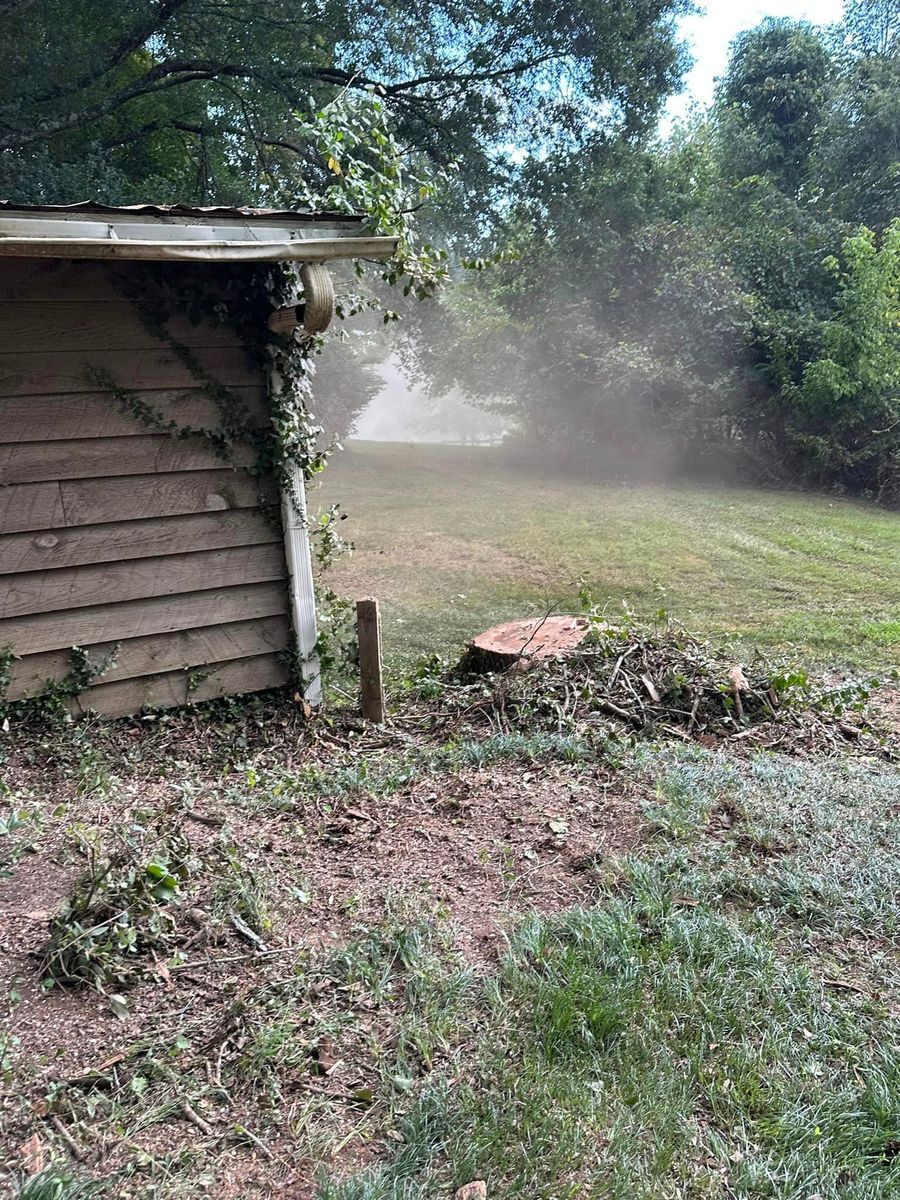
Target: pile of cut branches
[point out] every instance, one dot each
(667, 682)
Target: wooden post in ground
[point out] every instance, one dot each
(368, 631)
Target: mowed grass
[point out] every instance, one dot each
(454, 540)
(721, 1023)
(719, 1020)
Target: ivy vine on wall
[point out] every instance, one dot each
(239, 297)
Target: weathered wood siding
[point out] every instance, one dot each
(111, 534)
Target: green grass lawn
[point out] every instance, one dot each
(455, 540)
(719, 1019)
(722, 1023)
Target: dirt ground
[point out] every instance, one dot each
(469, 850)
(474, 850)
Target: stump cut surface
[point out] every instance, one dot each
(538, 638)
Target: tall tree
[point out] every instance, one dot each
(872, 27)
(772, 99)
(857, 162)
(196, 99)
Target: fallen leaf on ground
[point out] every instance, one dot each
(118, 1005)
(163, 972)
(32, 1154)
(325, 1056)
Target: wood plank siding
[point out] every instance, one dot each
(117, 538)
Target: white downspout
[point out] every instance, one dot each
(315, 314)
(298, 556)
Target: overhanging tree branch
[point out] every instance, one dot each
(180, 73)
(130, 42)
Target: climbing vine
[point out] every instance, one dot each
(53, 700)
(240, 298)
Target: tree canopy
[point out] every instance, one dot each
(722, 299)
(205, 100)
(721, 295)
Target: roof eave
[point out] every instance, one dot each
(301, 250)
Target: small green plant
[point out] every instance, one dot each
(55, 1184)
(336, 646)
(8, 1044)
(853, 696)
(15, 827)
(117, 913)
(242, 895)
(428, 676)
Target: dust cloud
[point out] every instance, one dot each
(402, 412)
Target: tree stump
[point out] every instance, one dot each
(520, 643)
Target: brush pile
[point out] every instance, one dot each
(629, 680)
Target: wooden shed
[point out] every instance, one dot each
(143, 549)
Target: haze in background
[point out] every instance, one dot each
(400, 413)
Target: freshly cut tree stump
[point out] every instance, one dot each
(520, 643)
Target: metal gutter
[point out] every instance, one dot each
(299, 249)
(301, 586)
(177, 214)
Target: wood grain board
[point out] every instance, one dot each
(59, 282)
(84, 544)
(138, 618)
(36, 326)
(98, 415)
(31, 506)
(34, 592)
(44, 506)
(98, 458)
(153, 369)
(155, 653)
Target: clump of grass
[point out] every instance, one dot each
(55, 1184)
(813, 843)
(300, 1026)
(280, 790)
(242, 894)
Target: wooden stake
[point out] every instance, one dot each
(368, 631)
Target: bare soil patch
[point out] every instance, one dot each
(241, 1063)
